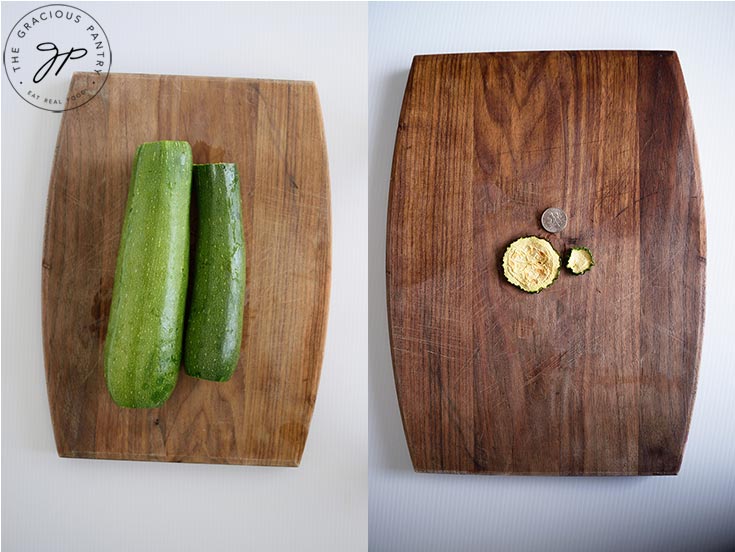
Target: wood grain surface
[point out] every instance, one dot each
(273, 131)
(597, 374)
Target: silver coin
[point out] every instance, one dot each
(553, 220)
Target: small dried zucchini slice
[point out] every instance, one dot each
(580, 260)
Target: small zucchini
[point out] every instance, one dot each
(531, 264)
(214, 323)
(142, 353)
(580, 260)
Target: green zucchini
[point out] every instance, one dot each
(580, 260)
(214, 322)
(531, 264)
(145, 328)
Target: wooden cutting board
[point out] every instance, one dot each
(597, 374)
(273, 131)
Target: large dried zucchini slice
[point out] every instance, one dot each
(531, 263)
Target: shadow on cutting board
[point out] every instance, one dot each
(383, 402)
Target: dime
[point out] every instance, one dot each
(553, 220)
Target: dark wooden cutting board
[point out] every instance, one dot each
(273, 131)
(597, 374)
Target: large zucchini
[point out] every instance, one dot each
(214, 322)
(145, 328)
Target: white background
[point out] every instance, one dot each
(53, 504)
(696, 509)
